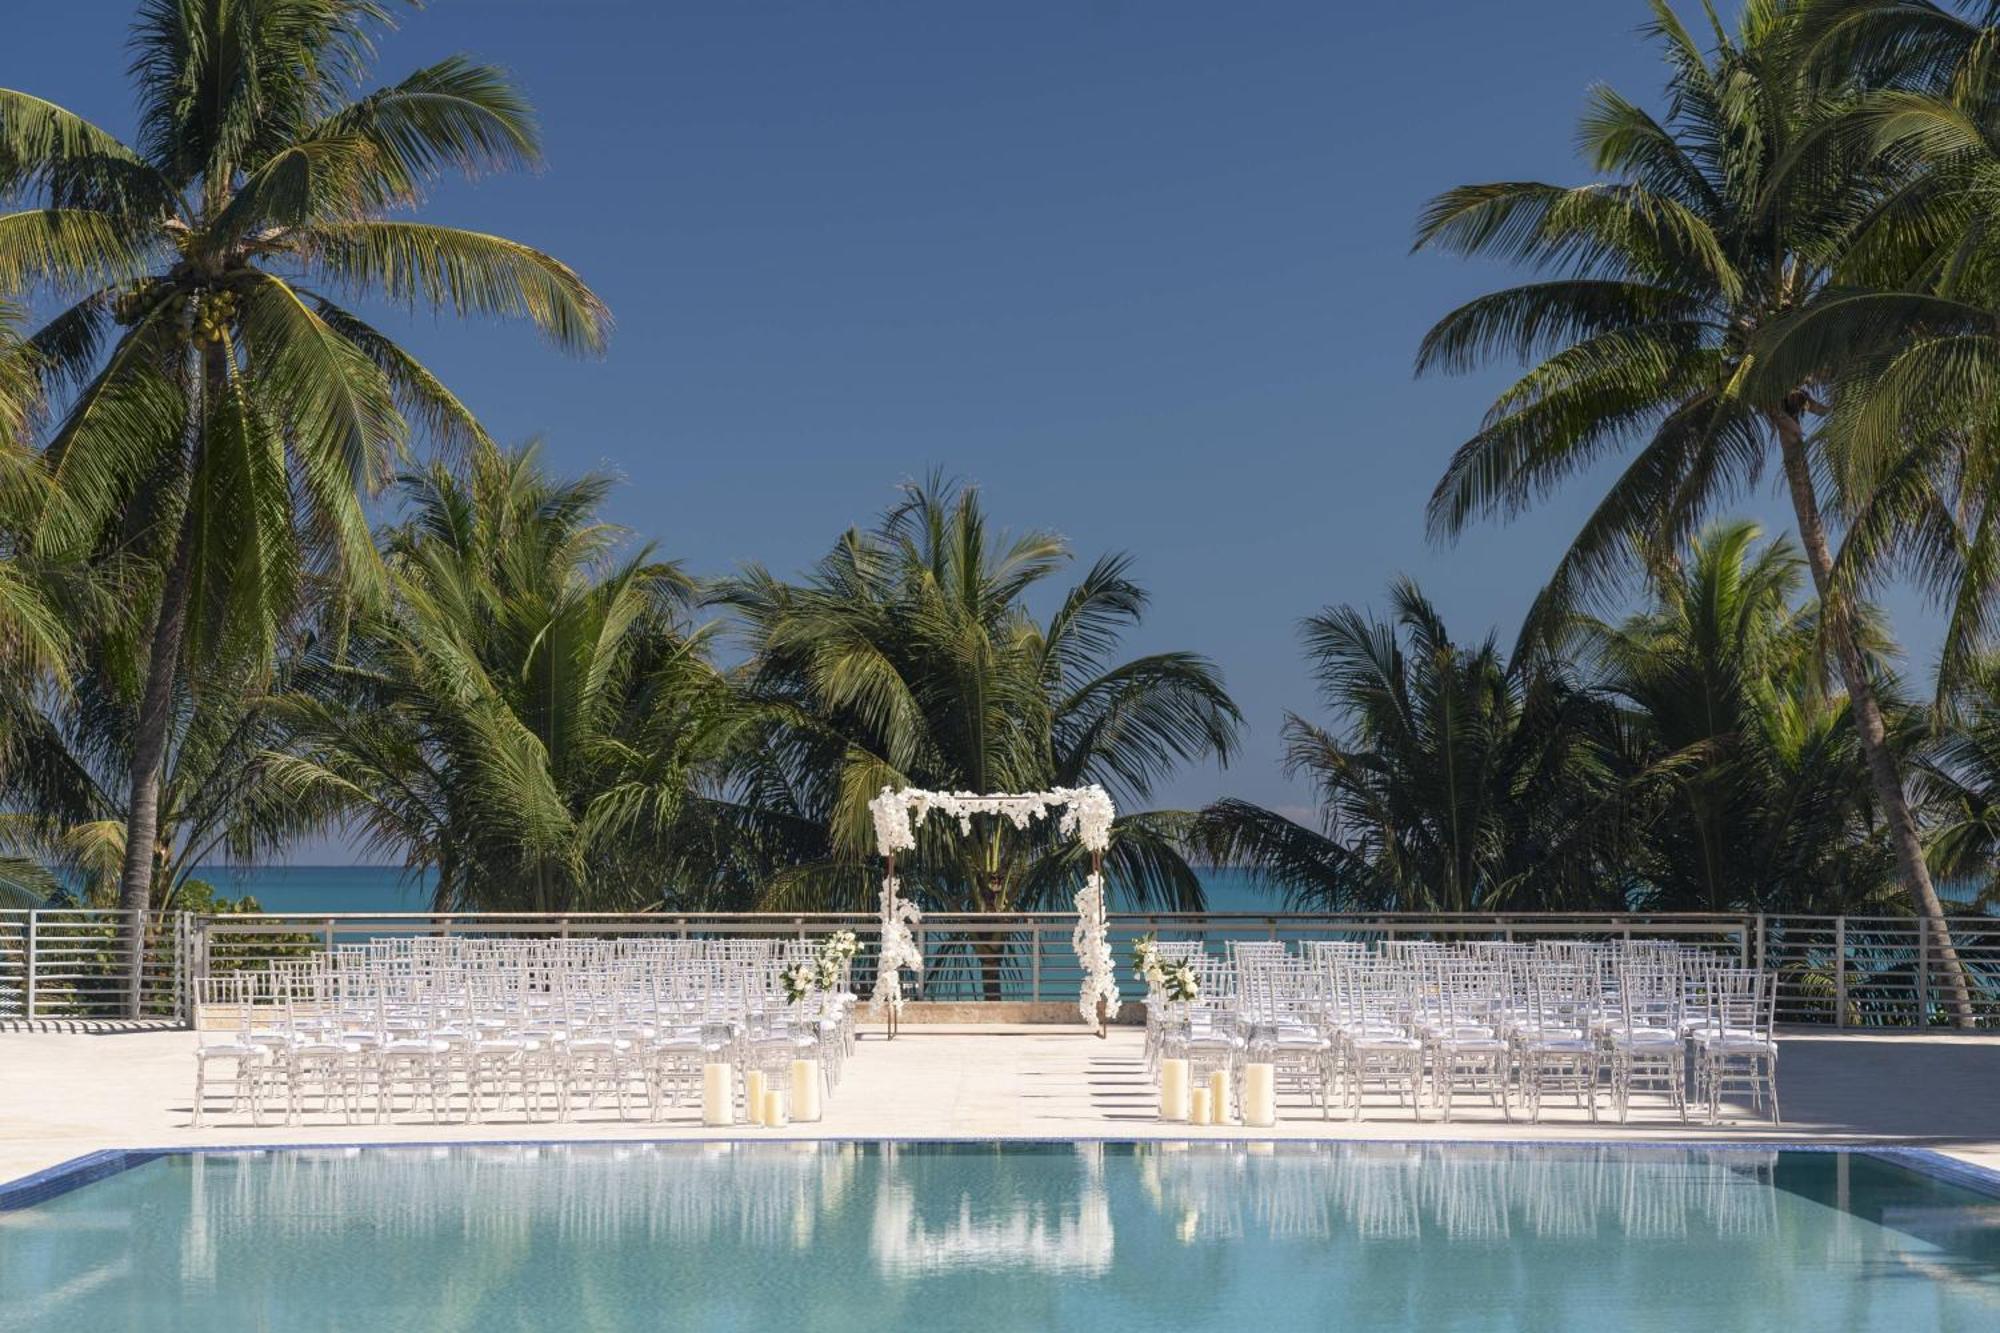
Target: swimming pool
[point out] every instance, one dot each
(811, 1236)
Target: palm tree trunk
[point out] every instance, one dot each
(992, 948)
(1915, 873)
(149, 749)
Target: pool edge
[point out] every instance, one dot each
(51, 1182)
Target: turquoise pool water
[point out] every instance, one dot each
(806, 1237)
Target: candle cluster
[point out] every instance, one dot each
(1207, 1101)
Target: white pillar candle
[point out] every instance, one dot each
(805, 1090)
(718, 1094)
(1173, 1089)
(1218, 1096)
(1198, 1112)
(1260, 1095)
(753, 1095)
(774, 1107)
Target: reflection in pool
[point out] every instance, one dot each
(986, 1236)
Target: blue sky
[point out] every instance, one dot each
(1140, 270)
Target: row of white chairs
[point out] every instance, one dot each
(1428, 1024)
(457, 1028)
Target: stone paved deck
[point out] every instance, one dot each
(64, 1094)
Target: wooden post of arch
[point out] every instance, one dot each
(892, 1006)
(1104, 930)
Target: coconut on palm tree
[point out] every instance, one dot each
(910, 657)
(219, 409)
(1711, 225)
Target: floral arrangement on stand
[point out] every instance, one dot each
(1146, 962)
(1178, 982)
(837, 950)
(800, 981)
(824, 973)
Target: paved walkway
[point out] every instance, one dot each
(64, 1094)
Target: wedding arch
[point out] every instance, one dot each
(1086, 815)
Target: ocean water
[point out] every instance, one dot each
(1104, 1237)
(392, 889)
(323, 888)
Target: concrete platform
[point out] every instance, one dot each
(63, 1094)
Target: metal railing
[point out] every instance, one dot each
(75, 963)
(1873, 972)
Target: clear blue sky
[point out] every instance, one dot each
(1139, 269)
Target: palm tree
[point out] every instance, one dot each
(217, 414)
(1713, 225)
(1961, 775)
(1460, 781)
(1907, 341)
(910, 658)
(1746, 775)
(530, 717)
(35, 648)
(64, 801)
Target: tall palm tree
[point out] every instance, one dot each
(1961, 775)
(910, 657)
(35, 647)
(1907, 339)
(530, 716)
(1712, 225)
(63, 802)
(217, 413)
(1745, 773)
(32, 639)
(1459, 781)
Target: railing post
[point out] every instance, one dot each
(180, 964)
(28, 962)
(1840, 972)
(1923, 972)
(1760, 942)
(1035, 961)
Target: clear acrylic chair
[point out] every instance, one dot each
(1738, 1051)
(1555, 1049)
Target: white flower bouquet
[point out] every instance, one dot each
(1177, 982)
(1146, 961)
(800, 981)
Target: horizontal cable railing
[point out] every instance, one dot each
(1870, 972)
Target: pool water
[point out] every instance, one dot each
(809, 1236)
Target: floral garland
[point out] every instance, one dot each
(899, 947)
(1093, 949)
(1087, 813)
